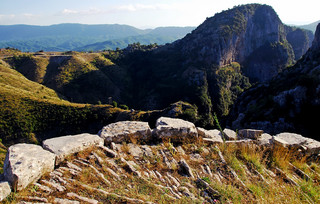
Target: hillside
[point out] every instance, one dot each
(179, 164)
(283, 104)
(64, 37)
(209, 68)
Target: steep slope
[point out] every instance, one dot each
(209, 67)
(288, 102)
(252, 35)
(82, 78)
(31, 112)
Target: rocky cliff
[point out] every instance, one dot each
(252, 35)
(209, 68)
(289, 101)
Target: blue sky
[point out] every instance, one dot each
(142, 13)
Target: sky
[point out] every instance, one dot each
(143, 13)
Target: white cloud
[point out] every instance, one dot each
(116, 9)
(69, 11)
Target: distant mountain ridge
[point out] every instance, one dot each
(311, 26)
(64, 37)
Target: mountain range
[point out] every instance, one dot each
(211, 69)
(81, 37)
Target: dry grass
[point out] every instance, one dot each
(245, 160)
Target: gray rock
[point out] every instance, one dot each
(5, 190)
(126, 131)
(250, 133)
(265, 140)
(135, 150)
(210, 136)
(67, 145)
(177, 130)
(26, 163)
(230, 134)
(84, 199)
(293, 140)
(185, 168)
(65, 201)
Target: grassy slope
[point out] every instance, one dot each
(254, 167)
(30, 111)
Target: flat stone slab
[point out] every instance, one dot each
(67, 145)
(5, 190)
(126, 131)
(26, 163)
(297, 141)
(265, 139)
(250, 133)
(177, 130)
(210, 134)
(229, 134)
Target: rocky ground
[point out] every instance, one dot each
(264, 169)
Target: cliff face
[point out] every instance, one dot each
(288, 102)
(252, 35)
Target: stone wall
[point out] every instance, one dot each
(26, 163)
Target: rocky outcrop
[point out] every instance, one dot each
(126, 131)
(175, 129)
(252, 35)
(284, 105)
(26, 163)
(67, 145)
(297, 141)
(176, 171)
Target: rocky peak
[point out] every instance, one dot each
(316, 41)
(251, 35)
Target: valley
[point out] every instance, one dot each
(242, 69)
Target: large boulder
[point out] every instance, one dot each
(229, 134)
(210, 136)
(67, 145)
(25, 164)
(176, 130)
(293, 140)
(126, 131)
(5, 190)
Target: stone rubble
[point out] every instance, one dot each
(126, 160)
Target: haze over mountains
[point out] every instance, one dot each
(208, 69)
(81, 37)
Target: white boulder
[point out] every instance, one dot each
(297, 141)
(126, 131)
(175, 129)
(5, 190)
(67, 145)
(229, 134)
(25, 164)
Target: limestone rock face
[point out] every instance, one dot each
(265, 139)
(175, 129)
(229, 134)
(66, 145)
(298, 141)
(126, 131)
(25, 163)
(5, 190)
(210, 136)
